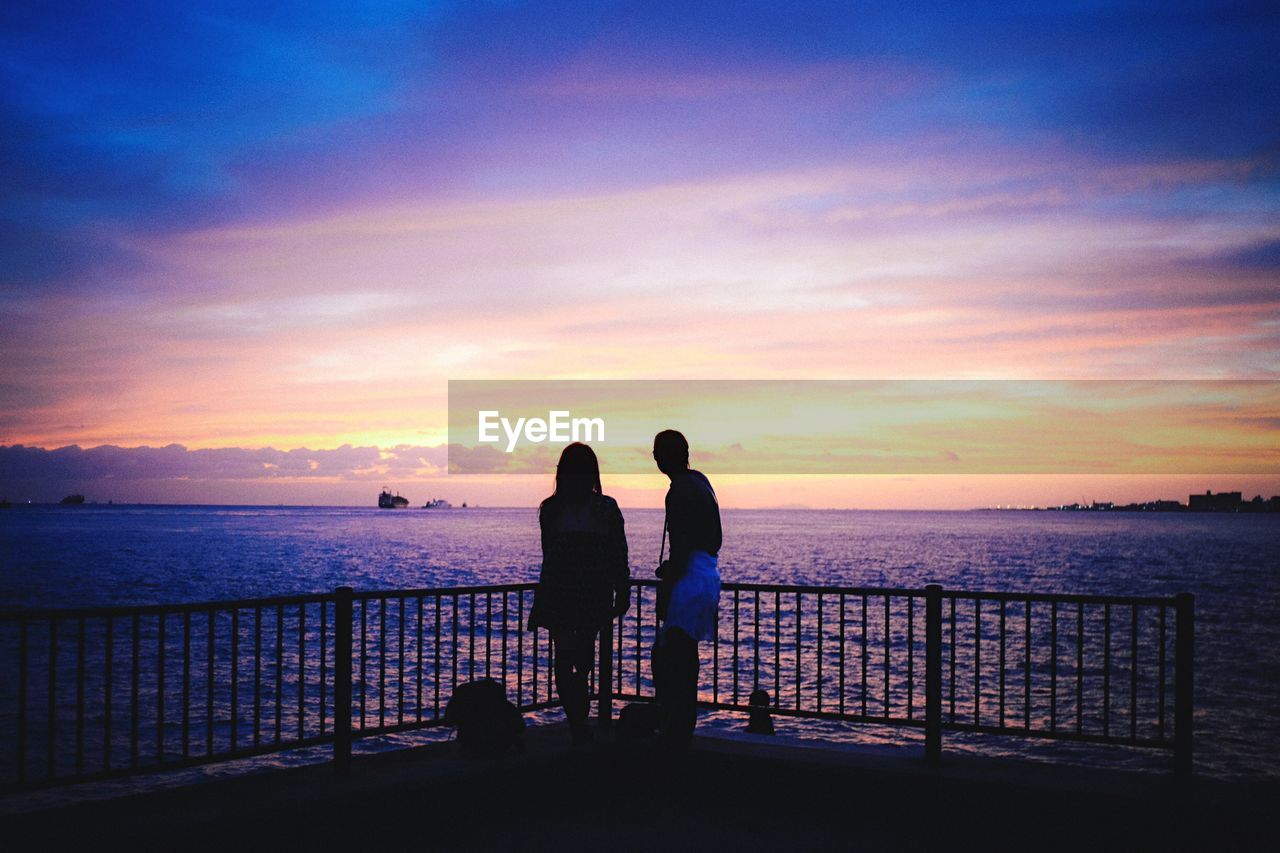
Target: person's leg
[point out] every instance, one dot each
(573, 694)
(574, 650)
(679, 656)
(658, 662)
(583, 662)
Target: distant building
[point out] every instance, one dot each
(1261, 504)
(1221, 502)
(1208, 502)
(1152, 506)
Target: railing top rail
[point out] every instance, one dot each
(21, 614)
(38, 613)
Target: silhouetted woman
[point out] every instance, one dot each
(584, 580)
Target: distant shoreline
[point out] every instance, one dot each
(1232, 503)
(418, 511)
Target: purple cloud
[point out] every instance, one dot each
(109, 462)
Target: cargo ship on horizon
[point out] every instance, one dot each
(386, 500)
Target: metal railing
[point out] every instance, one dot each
(1089, 668)
(96, 693)
(93, 693)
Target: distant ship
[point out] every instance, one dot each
(437, 503)
(73, 500)
(386, 500)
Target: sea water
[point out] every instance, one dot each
(125, 555)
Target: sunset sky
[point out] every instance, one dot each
(271, 233)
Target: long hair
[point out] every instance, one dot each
(577, 476)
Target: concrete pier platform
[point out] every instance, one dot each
(729, 793)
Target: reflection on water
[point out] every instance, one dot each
(121, 555)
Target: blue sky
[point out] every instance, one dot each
(211, 210)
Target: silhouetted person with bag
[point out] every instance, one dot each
(689, 589)
(585, 580)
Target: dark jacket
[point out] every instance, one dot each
(693, 518)
(584, 564)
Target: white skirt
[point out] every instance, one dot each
(695, 599)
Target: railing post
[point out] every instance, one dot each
(342, 616)
(932, 673)
(1183, 673)
(604, 678)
